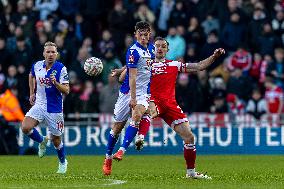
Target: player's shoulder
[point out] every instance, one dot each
(58, 65)
(38, 64)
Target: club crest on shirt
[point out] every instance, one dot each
(131, 58)
(53, 73)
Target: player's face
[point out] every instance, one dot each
(161, 49)
(50, 54)
(143, 36)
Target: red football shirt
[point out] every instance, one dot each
(273, 98)
(163, 79)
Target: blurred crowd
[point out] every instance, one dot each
(248, 79)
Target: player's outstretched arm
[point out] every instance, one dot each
(118, 72)
(32, 89)
(202, 65)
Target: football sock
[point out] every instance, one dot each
(112, 139)
(34, 134)
(189, 152)
(61, 152)
(144, 125)
(130, 133)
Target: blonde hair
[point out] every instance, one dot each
(49, 43)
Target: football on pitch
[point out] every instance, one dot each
(93, 66)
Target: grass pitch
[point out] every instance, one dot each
(140, 171)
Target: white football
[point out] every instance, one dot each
(93, 66)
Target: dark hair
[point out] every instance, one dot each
(161, 39)
(142, 26)
(20, 38)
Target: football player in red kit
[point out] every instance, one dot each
(163, 103)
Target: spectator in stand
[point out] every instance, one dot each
(11, 78)
(118, 25)
(89, 99)
(110, 62)
(278, 26)
(210, 24)
(46, 7)
(144, 14)
(258, 69)
(176, 45)
(163, 15)
(267, 40)
(212, 43)
(23, 54)
(240, 59)
(195, 33)
(5, 56)
(239, 84)
(233, 33)
(178, 15)
(235, 105)
(108, 95)
(273, 96)
(219, 102)
(78, 64)
(256, 105)
(72, 101)
(255, 27)
(106, 43)
(276, 68)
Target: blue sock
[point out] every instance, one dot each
(130, 133)
(61, 153)
(111, 143)
(34, 134)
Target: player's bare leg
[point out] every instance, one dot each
(58, 145)
(145, 125)
(186, 134)
(112, 139)
(131, 131)
(28, 128)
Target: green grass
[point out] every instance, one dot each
(19, 172)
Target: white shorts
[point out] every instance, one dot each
(122, 109)
(54, 121)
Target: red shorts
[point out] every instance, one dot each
(169, 111)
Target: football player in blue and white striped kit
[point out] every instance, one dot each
(134, 92)
(48, 81)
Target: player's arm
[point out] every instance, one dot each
(63, 84)
(122, 76)
(32, 84)
(118, 72)
(202, 65)
(32, 89)
(132, 58)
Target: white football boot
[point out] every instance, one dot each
(198, 176)
(42, 147)
(62, 167)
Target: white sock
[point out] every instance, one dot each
(191, 172)
(108, 156)
(123, 149)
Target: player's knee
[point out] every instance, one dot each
(189, 138)
(56, 140)
(25, 128)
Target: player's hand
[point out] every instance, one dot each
(53, 79)
(133, 103)
(32, 99)
(115, 72)
(218, 52)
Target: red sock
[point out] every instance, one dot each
(144, 125)
(189, 152)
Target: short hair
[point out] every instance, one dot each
(142, 26)
(49, 43)
(161, 39)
